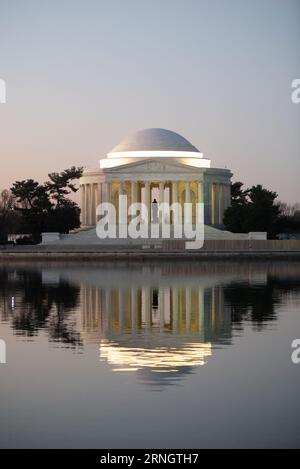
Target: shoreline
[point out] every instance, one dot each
(153, 250)
(141, 255)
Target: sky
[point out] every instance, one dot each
(82, 74)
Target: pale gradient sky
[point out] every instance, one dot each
(83, 74)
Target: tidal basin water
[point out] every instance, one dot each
(170, 355)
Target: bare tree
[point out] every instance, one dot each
(7, 201)
(289, 210)
(9, 218)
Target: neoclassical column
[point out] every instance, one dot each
(200, 192)
(124, 205)
(87, 204)
(101, 193)
(216, 206)
(175, 217)
(139, 192)
(216, 197)
(161, 199)
(207, 202)
(134, 190)
(98, 199)
(82, 187)
(188, 199)
(148, 200)
(106, 191)
(213, 204)
(121, 192)
(133, 196)
(93, 205)
(121, 188)
(161, 192)
(106, 194)
(220, 204)
(187, 192)
(200, 198)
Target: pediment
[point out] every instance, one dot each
(154, 166)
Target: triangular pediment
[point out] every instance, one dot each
(154, 165)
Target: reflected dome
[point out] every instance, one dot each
(159, 359)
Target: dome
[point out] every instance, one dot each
(154, 140)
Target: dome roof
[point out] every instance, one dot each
(154, 140)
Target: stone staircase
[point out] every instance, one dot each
(88, 236)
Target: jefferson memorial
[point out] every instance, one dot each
(156, 165)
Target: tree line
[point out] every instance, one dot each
(256, 209)
(33, 208)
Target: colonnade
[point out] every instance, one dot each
(215, 196)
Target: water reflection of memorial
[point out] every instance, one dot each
(158, 320)
(155, 330)
(163, 321)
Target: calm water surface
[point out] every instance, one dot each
(150, 355)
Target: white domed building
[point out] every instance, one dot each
(156, 164)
